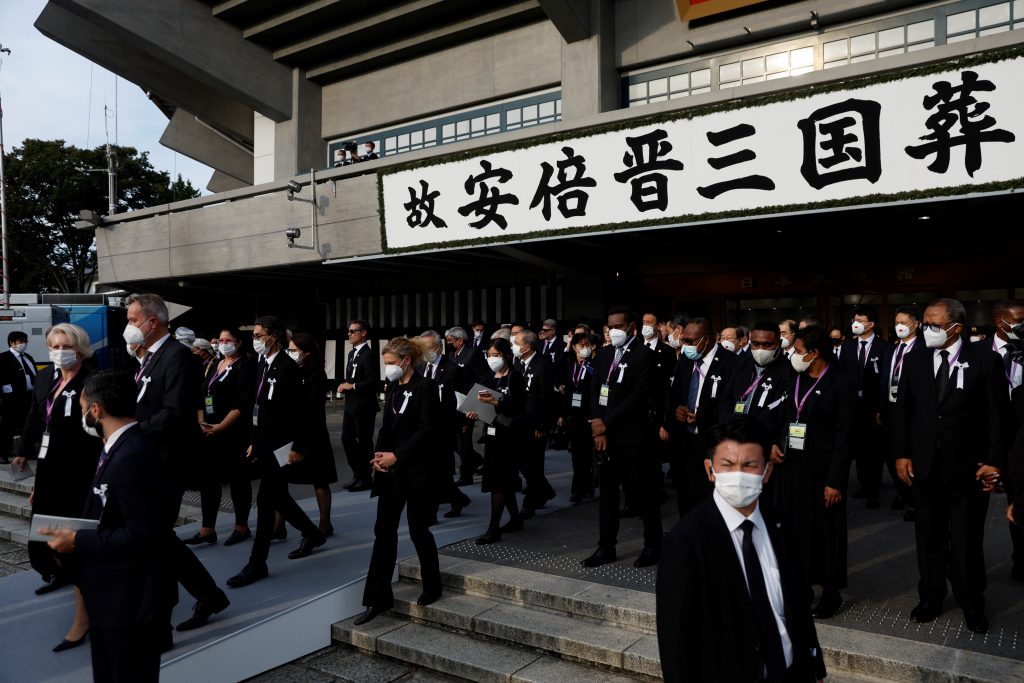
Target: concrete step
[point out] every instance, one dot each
(586, 621)
(14, 529)
(15, 504)
(458, 654)
(23, 486)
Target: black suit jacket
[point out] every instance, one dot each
(365, 375)
(884, 405)
(407, 430)
(447, 377)
(767, 397)
(121, 569)
(708, 410)
(473, 364)
(707, 630)
(867, 377)
(555, 350)
(947, 437)
(627, 417)
(663, 366)
(279, 399)
(166, 410)
(542, 402)
(14, 403)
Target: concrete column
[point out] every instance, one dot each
(590, 82)
(298, 145)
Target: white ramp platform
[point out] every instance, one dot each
(269, 623)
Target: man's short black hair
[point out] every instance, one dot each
(16, 336)
(113, 390)
(811, 319)
(363, 325)
(705, 323)
(624, 310)
(765, 326)
(912, 311)
(815, 338)
(867, 312)
(274, 327)
(741, 429)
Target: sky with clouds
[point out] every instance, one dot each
(50, 92)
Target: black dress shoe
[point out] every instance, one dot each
(464, 481)
(428, 598)
(203, 610)
(488, 537)
(625, 513)
(306, 546)
(898, 503)
(53, 584)
(70, 644)
(599, 557)
(512, 526)
(201, 538)
(828, 606)
(350, 483)
(237, 537)
(527, 513)
(359, 486)
(457, 508)
(648, 558)
(368, 615)
(251, 573)
(280, 533)
(925, 612)
(976, 621)
(328, 532)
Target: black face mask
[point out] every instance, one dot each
(837, 343)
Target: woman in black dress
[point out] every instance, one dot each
(66, 456)
(503, 441)
(227, 402)
(403, 466)
(312, 439)
(575, 392)
(812, 468)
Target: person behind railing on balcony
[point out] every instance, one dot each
(369, 153)
(66, 456)
(353, 153)
(226, 405)
(340, 158)
(405, 457)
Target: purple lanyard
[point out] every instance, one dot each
(753, 386)
(209, 385)
(51, 399)
(259, 389)
(578, 372)
(800, 405)
(145, 364)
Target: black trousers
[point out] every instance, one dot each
(581, 448)
(902, 490)
(538, 489)
(357, 440)
(469, 460)
(273, 496)
(211, 494)
(190, 572)
(12, 422)
(950, 533)
(621, 467)
(692, 485)
(870, 451)
(390, 503)
(444, 487)
(130, 654)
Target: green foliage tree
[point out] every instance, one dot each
(47, 187)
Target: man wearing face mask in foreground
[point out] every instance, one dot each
(731, 596)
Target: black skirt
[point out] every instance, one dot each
(317, 467)
(501, 464)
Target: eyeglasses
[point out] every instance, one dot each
(355, 331)
(692, 342)
(260, 336)
(546, 329)
(936, 327)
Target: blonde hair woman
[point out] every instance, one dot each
(65, 456)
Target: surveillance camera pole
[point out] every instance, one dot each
(3, 204)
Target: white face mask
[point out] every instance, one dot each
(20, 347)
(763, 356)
(738, 489)
(934, 339)
(91, 430)
(259, 346)
(517, 350)
(902, 331)
(63, 358)
(1010, 334)
(133, 335)
(691, 352)
(393, 373)
(618, 337)
(294, 355)
(647, 331)
(495, 363)
(430, 357)
(228, 349)
(132, 352)
(729, 346)
(975, 338)
(785, 343)
(857, 327)
(584, 352)
(674, 342)
(477, 334)
(798, 362)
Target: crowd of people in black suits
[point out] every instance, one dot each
(789, 406)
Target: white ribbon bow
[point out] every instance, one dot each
(622, 369)
(405, 403)
(145, 385)
(714, 387)
(67, 401)
(101, 491)
(764, 395)
(270, 394)
(960, 375)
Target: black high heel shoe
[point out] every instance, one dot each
(70, 644)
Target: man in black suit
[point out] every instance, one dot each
(731, 597)
(168, 387)
(698, 388)
(542, 414)
(1006, 315)
(446, 375)
(362, 379)
(549, 344)
(120, 566)
(950, 441)
(620, 401)
(479, 339)
(17, 378)
(757, 384)
(662, 366)
(742, 340)
(863, 357)
(908, 321)
(472, 369)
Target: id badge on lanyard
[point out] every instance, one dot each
(209, 405)
(577, 400)
(741, 408)
(492, 431)
(797, 435)
(602, 398)
(255, 415)
(44, 446)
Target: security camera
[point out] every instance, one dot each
(293, 186)
(292, 234)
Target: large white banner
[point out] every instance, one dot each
(961, 127)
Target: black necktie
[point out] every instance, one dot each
(28, 369)
(862, 354)
(896, 365)
(1008, 363)
(942, 379)
(767, 626)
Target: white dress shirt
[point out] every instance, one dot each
(703, 373)
(1015, 368)
(766, 556)
(909, 345)
(954, 350)
(29, 379)
(112, 439)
